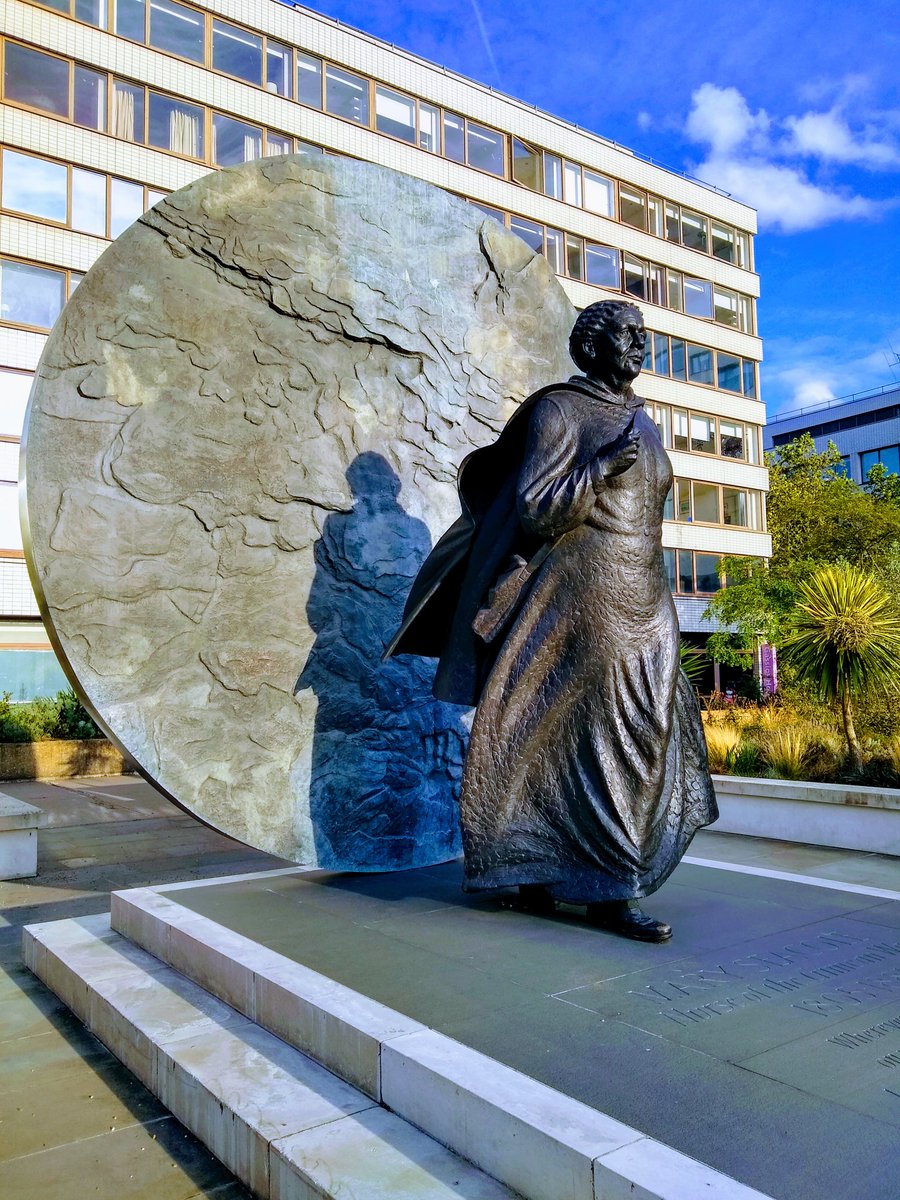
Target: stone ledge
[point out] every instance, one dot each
(850, 795)
(58, 758)
(285, 1126)
(537, 1141)
(16, 814)
(18, 838)
(818, 814)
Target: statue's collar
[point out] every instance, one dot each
(599, 391)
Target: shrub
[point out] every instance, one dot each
(745, 759)
(787, 751)
(62, 716)
(722, 740)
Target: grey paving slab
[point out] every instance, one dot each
(880, 914)
(857, 1059)
(655, 1036)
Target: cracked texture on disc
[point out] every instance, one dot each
(243, 440)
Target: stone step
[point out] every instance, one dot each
(537, 1141)
(18, 838)
(284, 1125)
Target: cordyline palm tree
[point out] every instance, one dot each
(845, 639)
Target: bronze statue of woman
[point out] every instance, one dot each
(548, 606)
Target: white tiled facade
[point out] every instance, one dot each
(662, 264)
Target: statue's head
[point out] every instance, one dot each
(607, 341)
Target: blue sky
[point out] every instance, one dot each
(793, 107)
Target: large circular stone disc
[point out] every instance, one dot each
(243, 439)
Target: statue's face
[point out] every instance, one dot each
(619, 347)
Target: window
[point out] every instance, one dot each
(707, 572)
(278, 68)
(693, 230)
(703, 434)
(574, 257)
(748, 377)
(598, 194)
(15, 387)
(237, 52)
(685, 571)
(92, 12)
(130, 19)
(674, 287)
(680, 430)
(526, 165)
(669, 555)
(697, 298)
(633, 207)
(678, 362)
(663, 418)
(734, 504)
(33, 186)
(489, 212)
(731, 440)
(660, 354)
(309, 80)
(277, 143)
(234, 141)
(174, 125)
(635, 276)
(553, 176)
(126, 203)
(454, 137)
(89, 201)
(555, 250)
(682, 499)
(725, 307)
(723, 243)
(128, 112)
(395, 114)
(742, 247)
(700, 360)
(706, 502)
(31, 295)
(673, 223)
(346, 95)
(175, 28)
(655, 219)
(484, 148)
(602, 266)
(35, 79)
(89, 99)
(529, 232)
(572, 183)
(729, 372)
(429, 128)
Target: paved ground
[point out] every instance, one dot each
(73, 1122)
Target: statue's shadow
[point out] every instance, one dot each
(386, 756)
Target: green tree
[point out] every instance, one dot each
(816, 516)
(844, 639)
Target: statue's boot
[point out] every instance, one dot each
(628, 919)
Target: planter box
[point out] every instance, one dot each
(819, 814)
(57, 759)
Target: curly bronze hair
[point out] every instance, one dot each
(592, 321)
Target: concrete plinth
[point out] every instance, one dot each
(18, 838)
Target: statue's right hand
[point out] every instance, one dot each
(620, 456)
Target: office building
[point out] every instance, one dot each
(107, 105)
(865, 427)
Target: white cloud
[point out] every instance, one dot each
(722, 119)
(644, 120)
(764, 164)
(827, 136)
(783, 196)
